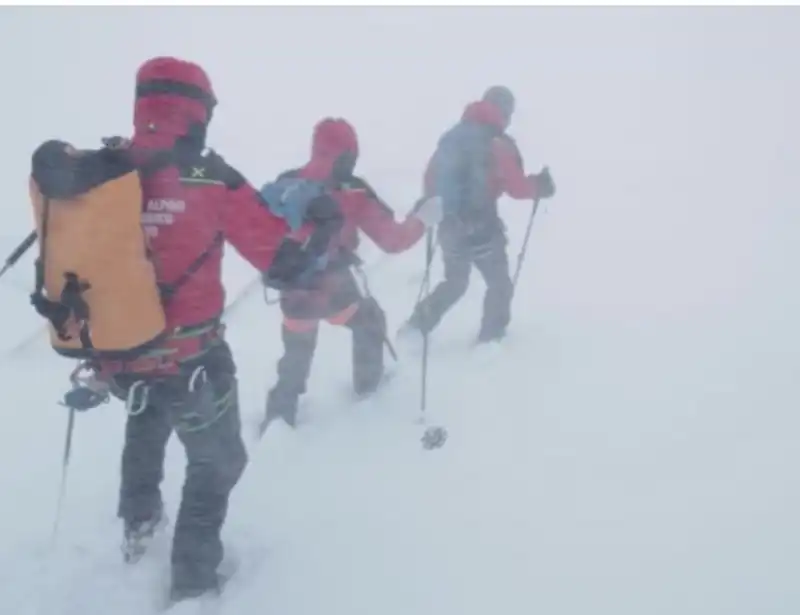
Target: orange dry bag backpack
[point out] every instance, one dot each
(94, 281)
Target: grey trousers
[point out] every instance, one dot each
(460, 254)
(207, 422)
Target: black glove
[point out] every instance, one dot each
(290, 267)
(83, 398)
(116, 142)
(545, 186)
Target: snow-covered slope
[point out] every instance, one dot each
(631, 448)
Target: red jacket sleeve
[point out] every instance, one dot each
(377, 220)
(253, 230)
(510, 172)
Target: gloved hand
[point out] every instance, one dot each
(291, 267)
(429, 211)
(83, 398)
(116, 142)
(88, 390)
(545, 186)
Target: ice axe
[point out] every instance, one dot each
(18, 252)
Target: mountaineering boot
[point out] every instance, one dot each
(368, 327)
(294, 368)
(490, 335)
(181, 592)
(281, 404)
(385, 379)
(138, 535)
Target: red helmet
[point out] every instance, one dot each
(334, 146)
(172, 97)
(332, 138)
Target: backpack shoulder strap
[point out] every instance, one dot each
(356, 182)
(168, 290)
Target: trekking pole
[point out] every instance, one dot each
(423, 292)
(434, 437)
(524, 249)
(18, 252)
(64, 466)
(87, 392)
(424, 286)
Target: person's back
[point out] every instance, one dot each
(334, 154)
(191, 208)
(333, 293)
(475, 163)
(192, 203)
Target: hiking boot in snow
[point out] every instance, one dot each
(193, 582)
(490, 335)
(281, 405)
(139, 535)
(179, 593)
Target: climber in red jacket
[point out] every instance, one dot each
(193, 203)
(305, 197)
(475, 164)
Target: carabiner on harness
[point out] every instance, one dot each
(137, 399)
(198, 378)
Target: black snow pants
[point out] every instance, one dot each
(340, 302)
(204, 413)
(487, 251)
